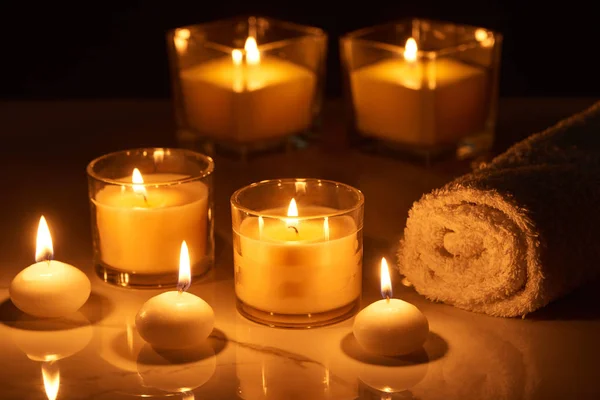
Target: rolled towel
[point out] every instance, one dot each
(516, 234)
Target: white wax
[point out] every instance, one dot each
(50, 289)
(391, 327)
(174, 320)
(141, 236)
(277, 270)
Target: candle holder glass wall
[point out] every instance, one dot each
(297, 251)
(144, 203)
(422, 88)
(246, 84)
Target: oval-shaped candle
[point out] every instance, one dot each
(176, 319)
(390, 327)
(49, 288)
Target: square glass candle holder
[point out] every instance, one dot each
(423, 88)
(144, 203)
(246, 84)
(297, 251)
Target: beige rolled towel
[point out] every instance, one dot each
(517, 234)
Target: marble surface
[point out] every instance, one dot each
(97, 353)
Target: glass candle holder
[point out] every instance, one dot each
(144, 203)
(246, 84)
(297, 251)
(422, 87)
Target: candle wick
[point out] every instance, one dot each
(145, 199)
(294, 228)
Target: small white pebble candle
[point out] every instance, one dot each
(49, 288)
(390, 327)
(176, 319)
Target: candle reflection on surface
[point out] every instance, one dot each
(272, 364)
(176, 371)
(51, 379)
(52, 339)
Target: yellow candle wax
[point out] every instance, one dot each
(417, 102)
(243, 103)
(296, 266)
(140, 232)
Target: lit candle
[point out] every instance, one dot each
(296, 265)
(176, 319)
(248, 96)
(419, 101)
(142, 224)
(49, 288)
(390, 327)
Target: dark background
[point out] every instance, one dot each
(110, 49)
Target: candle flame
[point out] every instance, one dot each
(252, 52)
(326, 228)
(138, 181)
(237, 56)
(386, 281)
(43, 248)
(292, 209)
(51, 378)
(185, 273)
(292, 212)
(410, 50)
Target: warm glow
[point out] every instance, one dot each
(237, 56)
(481, 35)
(185, 273)
(51, 378)
(181, 39)
(386, 282)
(252, 53)
(183, 33)
(410, 50)
(261, 226)
(326, 228)
(484, 37)
(43, 247)
(138, 181)
(159, 156)
(187, 395)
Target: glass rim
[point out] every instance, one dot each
(307, 32)
(205, 172)
(358, 36)
(235, 202)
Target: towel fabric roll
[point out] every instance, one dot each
(516, 234)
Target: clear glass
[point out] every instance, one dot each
(435, 98)
(303, 270)
(138, 227)
(237, 99)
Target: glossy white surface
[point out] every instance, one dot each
(550, 355)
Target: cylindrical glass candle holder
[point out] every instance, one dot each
(297, 251)
(246, 84)
(144, 203)
(422, 88)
